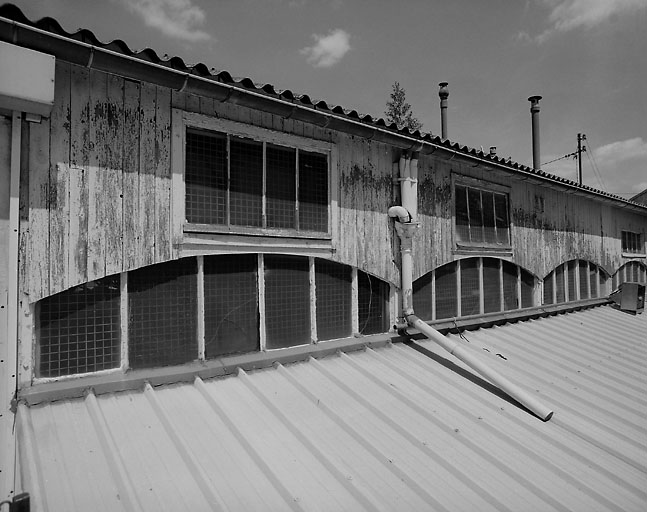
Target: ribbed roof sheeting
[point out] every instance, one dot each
(176, 63)
(397, 428)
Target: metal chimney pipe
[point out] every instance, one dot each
(443, 92)
(534, 113)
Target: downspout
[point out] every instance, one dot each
(406, 226)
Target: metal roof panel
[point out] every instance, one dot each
(404, 427)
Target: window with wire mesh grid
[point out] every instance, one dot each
(481, 217)
(287, 301)
(372, 304)
(574, 280)
(630, 272)
(242, 182)
(230, 304)
(487, 285)
(632, 242)
(79, 329)
(162, 314)
(206, 177)
(333, 286)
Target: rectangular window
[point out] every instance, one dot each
(372, 304)
(238, 182)
(446, 296)
(481, 217)
(334, 295)
(491, 285)
(162, 322)
(470, 303)
(632, 242)
(78, 329)
(230, 304)
(287, 301)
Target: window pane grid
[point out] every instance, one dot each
(481, 216)
(470, 303)
(446, 299)
(491, 285)
(79, 329)
(422, 297)
(230, 304)
(287, 301)
(313, 191)
(206, 178)
(245, 182)
(373, 302)
(281, 187)
(162, 320)
(510, 290)
(334, 295)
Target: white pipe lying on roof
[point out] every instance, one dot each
(406, 227)
(454, 348)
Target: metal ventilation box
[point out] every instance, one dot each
(26, 80)
(630, 297)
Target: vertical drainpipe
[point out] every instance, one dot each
(534, 112)
(406, 226)
(443, 92)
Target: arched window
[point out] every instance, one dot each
(205, 307)
(630, 272)
(472, 286)
(575, 280)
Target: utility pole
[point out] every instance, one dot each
(580, 148)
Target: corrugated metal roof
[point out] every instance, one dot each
(396, 428)
(176, 63)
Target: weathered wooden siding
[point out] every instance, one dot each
(549, 226)
(98, 192)
(99, 181)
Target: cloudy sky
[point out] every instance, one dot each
(585, 57)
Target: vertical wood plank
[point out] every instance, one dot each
(38, 245)
(23, 208)
(97, 159)
(147, 169)
(113, 181)
(177, 180)
(79, 162)
(130, 177)
(163, 175)
(59, 180)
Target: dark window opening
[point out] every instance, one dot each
(206, 178)
(230, 304)
(632, 242)
(287, 301)
(313, 191)
(281, 187)
(446, 288)
(491, 285)
(422, 296)
(470, 299)
(333, 285)
(162, 307)
(245, 182)
(234, 181)
(481, 217)
(372, 303)
(79, 329)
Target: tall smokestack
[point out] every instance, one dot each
(534, 113)
(443, 92)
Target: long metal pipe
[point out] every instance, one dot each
(534, 114)
(443, 92)
(454, 348)
(406, 227)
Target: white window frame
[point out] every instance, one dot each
(200, 238)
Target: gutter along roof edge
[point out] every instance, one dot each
(48, 36)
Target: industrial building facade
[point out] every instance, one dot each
(167, 215)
